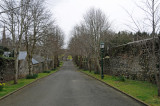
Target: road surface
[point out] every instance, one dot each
(68, 87)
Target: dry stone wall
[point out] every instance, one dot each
(133, 60)
(7, 69)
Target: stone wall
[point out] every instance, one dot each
(7, 69)
(23, 69)
(40, 67)
(51, 64)
(133, 60)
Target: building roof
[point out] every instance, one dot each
(34, 61)
(23, 55)
(7, 54)
(38, 58)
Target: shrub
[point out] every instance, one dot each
(11, 54)
(5, 49)
(46, 71)
(84, 70)
(114, 77)
(34, 76)
(2, 86)
(54, 69)
(96, 72)
(1, 52)
(121, 78)
(61, 63)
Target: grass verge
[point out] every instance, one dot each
(10, 87)
(142, 90)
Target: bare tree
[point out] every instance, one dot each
(51, 43)
(14, 21)
(58, 43)
(87, 37)
(96, 23)
(151, 8)
(36, 21)
(29, 21)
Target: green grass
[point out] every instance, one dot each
(69, 57)
(61, 64)
(8, 58)
(10, 87)
(142, 90)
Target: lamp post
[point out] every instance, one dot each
(102, 52)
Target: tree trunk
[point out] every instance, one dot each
(158, 76)
(80, 62)
(158, 85)
(85, 61)
(97, 66)
(89, 65)
(46, 65)
(76, 60)
(30, 65)
(55, 62)
(16, 69)
(86, 65)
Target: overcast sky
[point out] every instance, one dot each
(68, 13)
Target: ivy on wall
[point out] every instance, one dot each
(3, 65)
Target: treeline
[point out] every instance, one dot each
(87, 36)
(94, 29)
(32, 28)
(123, 37)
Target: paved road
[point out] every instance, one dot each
(68, 88)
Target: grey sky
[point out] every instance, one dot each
(70, 12)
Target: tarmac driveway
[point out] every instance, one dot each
(68, 87)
